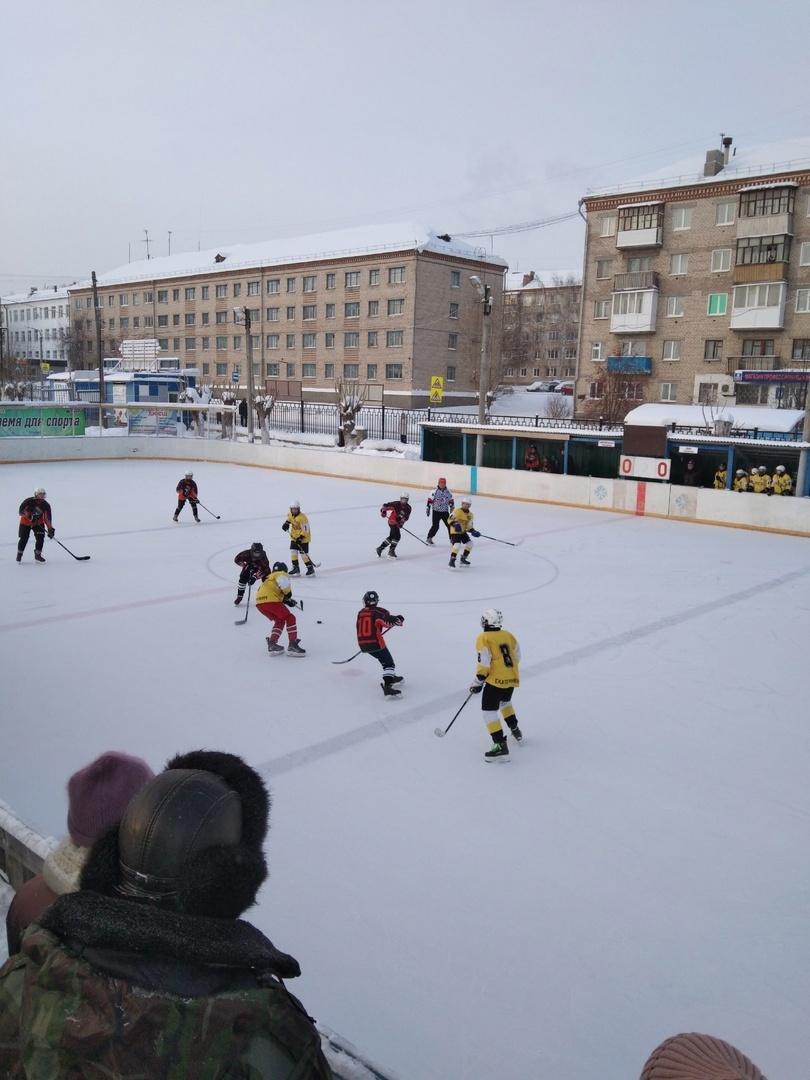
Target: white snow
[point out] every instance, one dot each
(661, 414)
(637, 869)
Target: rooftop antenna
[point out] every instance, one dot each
(146, 241)
(170, 241)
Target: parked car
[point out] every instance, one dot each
(546, 386)
(564, 387)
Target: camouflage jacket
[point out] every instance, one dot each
(107, 989)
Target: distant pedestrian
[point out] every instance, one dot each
(531, 459)
(274, 600)
(372, 622)
(403, 427)
(690, 476)
(36, 518)
(440, 503)
(255, 567)
(397, 512)
(782, 483)
(720, 478)
(243, 410)
(187, 493)
(496, 678)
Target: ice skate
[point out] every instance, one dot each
(516, 734)
(174, 519)
(429, 541)
(296, 569)
(499, 752)
(38, 556)
(390, 691)
(311, 570)
(19, 556)
(294, 649)
(452, 561)
(274, 648)
(238, 599)
(379, 550)
(465, 561)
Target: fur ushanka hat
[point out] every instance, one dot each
(191, 840)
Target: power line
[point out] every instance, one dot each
(525, 226)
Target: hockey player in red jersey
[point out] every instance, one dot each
(255, 567)
(187, 491)
(35, 517)
(397, 512)
(372, 622)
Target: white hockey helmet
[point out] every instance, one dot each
(39, 493)
(466, 502)
(492, 619)
(295, 505)
(780, 468)
(405, 497)
(189, 474)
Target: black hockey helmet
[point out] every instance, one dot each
(256, 549)
(371, 598)
(280, 566)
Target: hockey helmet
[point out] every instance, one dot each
(740, 472)
(189, 474)
(466, 502)
(780, 468)
(280, 567)
(371, 598)
(295, 505)
(256, 549)
(39, 493)
(492, 619)
(405, 497)
(762, 469)
(442, 481)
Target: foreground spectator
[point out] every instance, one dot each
(98, 795)
(148, 970)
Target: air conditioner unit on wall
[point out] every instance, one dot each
(726, 388)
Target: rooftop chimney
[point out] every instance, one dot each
(727, 141)
(714, 163)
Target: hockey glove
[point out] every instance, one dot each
(285, 526)
(476, 688)
(51, 533)
(288, 600)
(427, 510)
(475, 533)
(382, 512)
(399, 620)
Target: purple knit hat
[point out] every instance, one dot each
(99, 794)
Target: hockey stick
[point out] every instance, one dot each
(408, 531)
(78, 558)
(358, 651)
(241, 622)
(497, 541)
(211, 512)
(441, 732)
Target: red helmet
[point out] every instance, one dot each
(442, 480)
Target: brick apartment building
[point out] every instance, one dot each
(540, 328)
(689, 280)
(390, 305)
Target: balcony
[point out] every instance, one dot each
(634, 312)
(636, 281)
(765, 225)
(754, 363)
(629, 365)
(759, 306)
(760, 272)
(640, 238)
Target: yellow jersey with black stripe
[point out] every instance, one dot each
(498, 658)
(460, 521)
(299, 527)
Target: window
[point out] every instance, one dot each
(222, 292)
(329, 341)
(330, 281)
(163, 320)
(123, 322)
(291, 313)
(374, 279)
(674, 306)
(352, 279)
(393, 339)
(672, 350)
(595, 391)
(396, 307)
(765, 201)
(330, 311)
(759, 250)
(310, 312)
(308, 341)
(221, 317)
(393, 371)
(205, 318)
(290, 339)
(598, 350)
(290, 371)
(351, 371)
(147, 297)
(206, 343)
(725, 213)
(396, 275)
(713, 349)
(252, 288)
(678, 264)
(308, 371)
(758, 347)
(273, 286)
(669, 391)
(757, 296)
(640, 217)
(804, 254)
(682, 218)
(455, 279)
(351, 340)
(310, 283)
(273, 314)
(148, 320)
(352, 310)
(601, 309)
(801, 349)
(191, 343)
(175, 295)
(631, 391)
(802, 301)
(628, 303)
(553, 354)
(190, 319)
(175, 320)
(222, 369)
(237, 341)
(721, 260)
(191, 293)
(717, 304)
(222, 343)
(205, 292)
(373, 308)
(454, 311)
(371, 370)
(272, 370)
(163, 344)
(607, 225)
(272, 341)
(163, 296)
(123, 301)
(452, 341)
(604, 268)
(372, 339)
(290, 284)
(329, 371)
(450, 373)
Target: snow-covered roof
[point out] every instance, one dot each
(342, 244)
(788, 155)
(633, 205)
(546, 279)
(38, 296)
(654, 414)
(769, 187)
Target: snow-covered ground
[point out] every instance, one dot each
(638, 868)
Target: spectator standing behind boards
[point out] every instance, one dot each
(782, 483)
(531, 459)
(761, 480)
(690, 476)
(35, 516)
(440, 503)
(740, 480)
(187, 491)
(720, 478)
(98, 795)
(752, 477)
(148, 970)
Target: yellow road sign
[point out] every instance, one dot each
(436, 397)
(437, 382)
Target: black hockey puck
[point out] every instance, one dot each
(319, 621)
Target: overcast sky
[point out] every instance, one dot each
(254, 119)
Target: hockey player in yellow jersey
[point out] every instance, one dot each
(496, 678)
(297, 525)
(460, 525)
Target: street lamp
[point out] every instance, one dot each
(243, 314)
(485, 296)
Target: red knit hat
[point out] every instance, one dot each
(99, 794)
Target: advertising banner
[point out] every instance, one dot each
(153, 422)
(40, 422)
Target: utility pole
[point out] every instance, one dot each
(801, 475)
(146, 241)
(485, 294)
(100, 355)
(170, 241)
(244, 314)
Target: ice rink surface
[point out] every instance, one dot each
(638, 868)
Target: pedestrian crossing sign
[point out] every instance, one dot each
(436, 382)
(435, 397)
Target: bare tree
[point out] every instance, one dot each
(264, 406)
(612, 396)
(558, 407)
(350, 397)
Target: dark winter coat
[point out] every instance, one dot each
(110, 987)
(36, 512)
